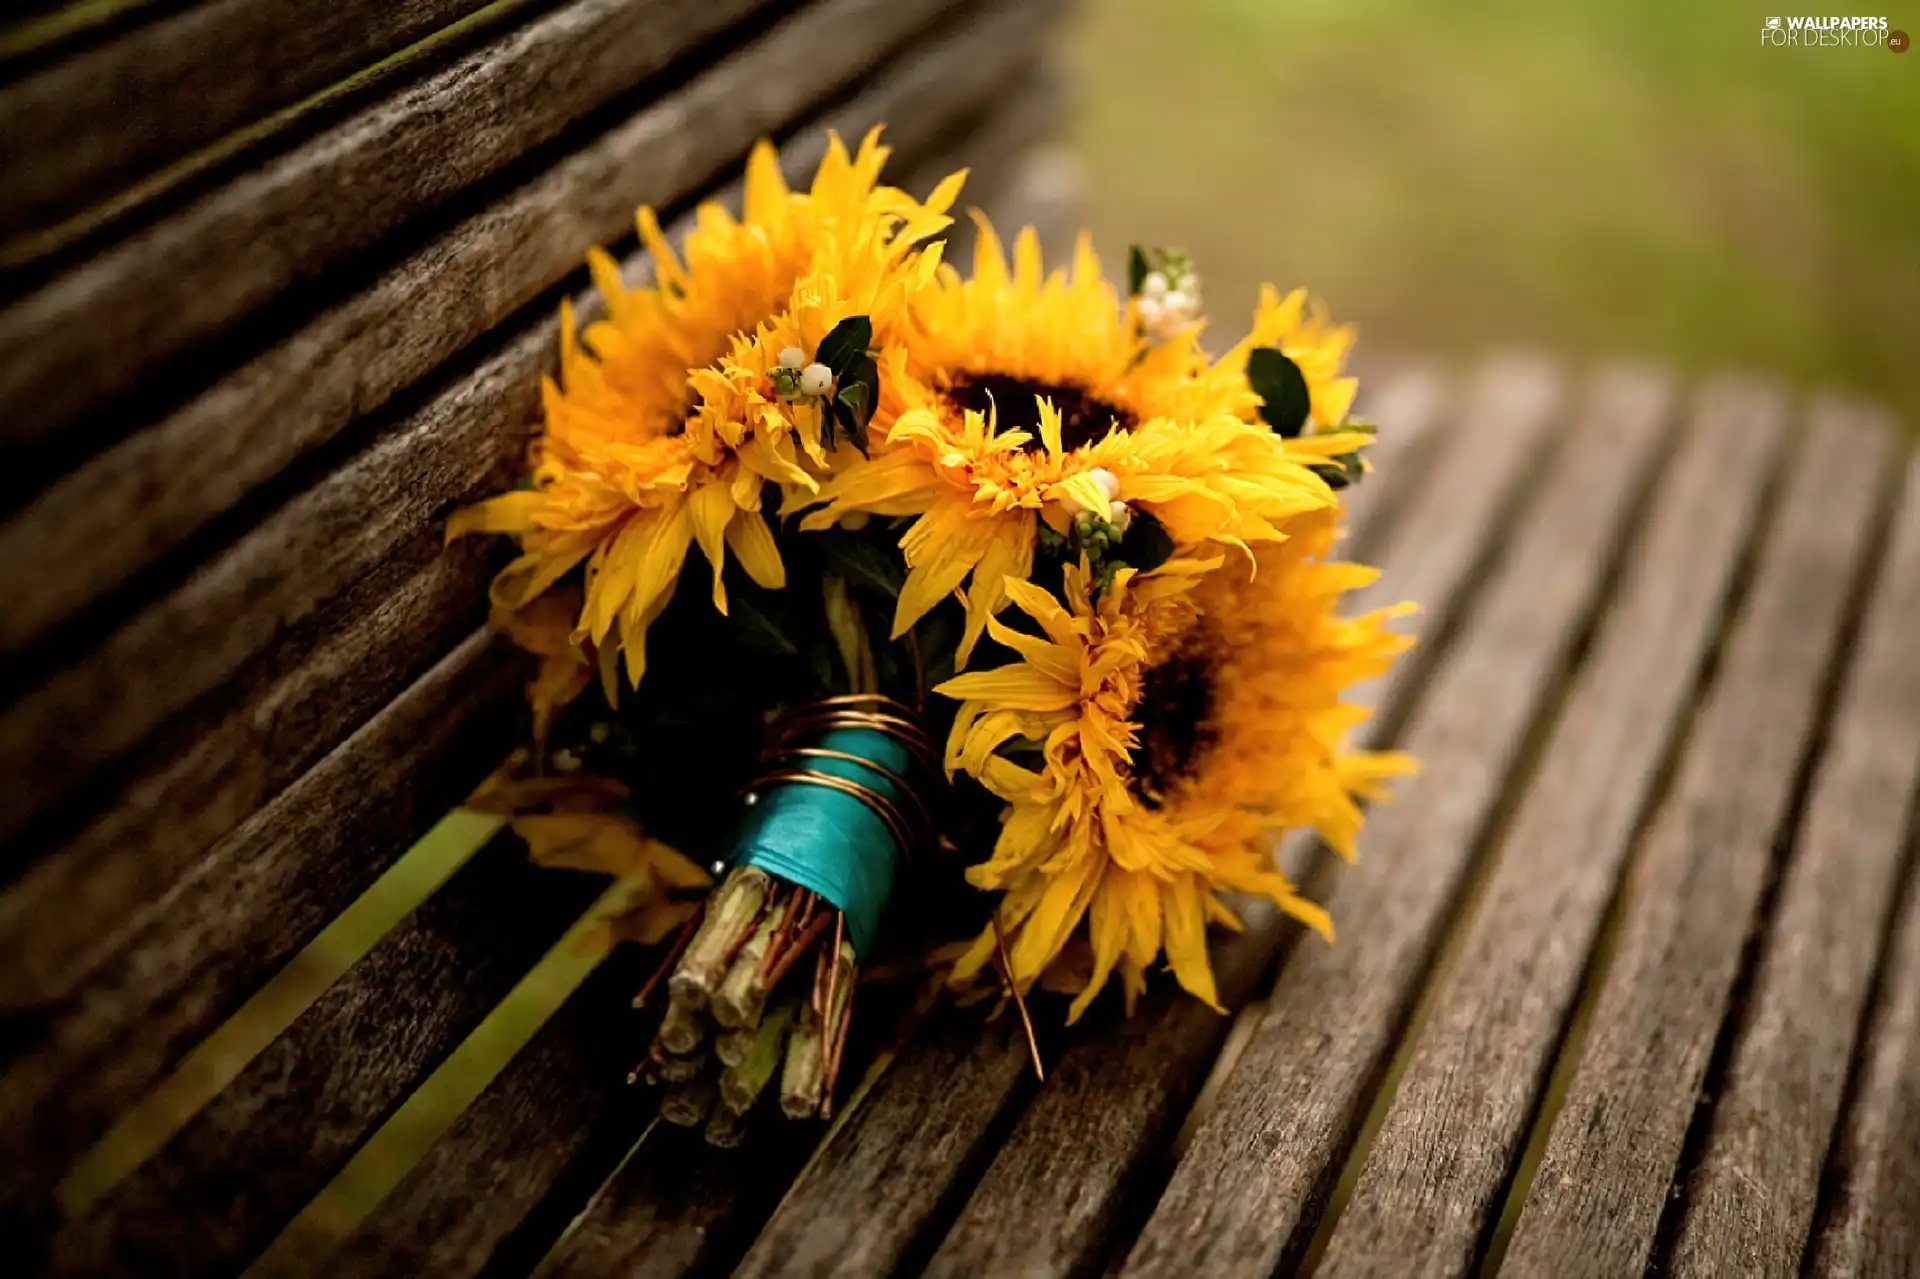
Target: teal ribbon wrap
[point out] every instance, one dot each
(829, 840)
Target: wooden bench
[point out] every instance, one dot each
(1629, 978)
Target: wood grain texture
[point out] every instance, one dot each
(679, 1207)
(867, 1202)
(126, 508)
(1249, 1188)
(494, 1192)
(1441, 1159)
(1689, 902)
(458, 446)
(93, 334)
(1750, 1203)
(81, 129)
(462, 442)
(244, 1166)
(209, 942)
(211, 769)
(1869, 1223)
(1054, 1194)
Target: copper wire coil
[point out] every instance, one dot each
(866, 711)
(901, 785)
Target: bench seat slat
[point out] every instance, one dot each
(1054, 1194)
(1750, 1204)
(106, 521)
(1248, 1190)
(94, 333)
(1483, 1055)
(258, 898)
(218, 66)
(1690, 899)
(1867, 1227)
(242, 1168)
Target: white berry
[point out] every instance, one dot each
(793, 358)
(816, 379)
(1120, 515)
(1154, 285)
(1109, 482)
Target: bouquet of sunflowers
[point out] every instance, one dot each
(1017, 641)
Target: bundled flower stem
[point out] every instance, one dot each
(753, 938)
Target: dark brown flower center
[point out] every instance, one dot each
(1084, 419)
(1176, 723)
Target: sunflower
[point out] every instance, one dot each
(663, 428)
(1151, 740)
(1031, 396)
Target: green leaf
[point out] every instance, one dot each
(862, 563)
(1136, 270)
(858, 396)
(755, 628)
(1282, 388)
(1342, 471)
(841, 349)
(1147, 544)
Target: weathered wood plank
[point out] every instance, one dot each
(125, 509)
(461, 442)
(244, 1166)
(274, 581)
(1690, 900)
(872, 1198)
(679, 1207)
(495, 1191)
(1248, 1191)
(74, 1064)
(1442, 1157)
(96, 332)
(173, 86)
(1095, 1134)
(210, 770)
(841, 1217)
(1750, 1204)
(1869, 1224)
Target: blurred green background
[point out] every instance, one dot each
(1597, 176)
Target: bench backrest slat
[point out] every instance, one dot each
(107, 521)
(220, 66)
(246, 674)
(99, 331)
